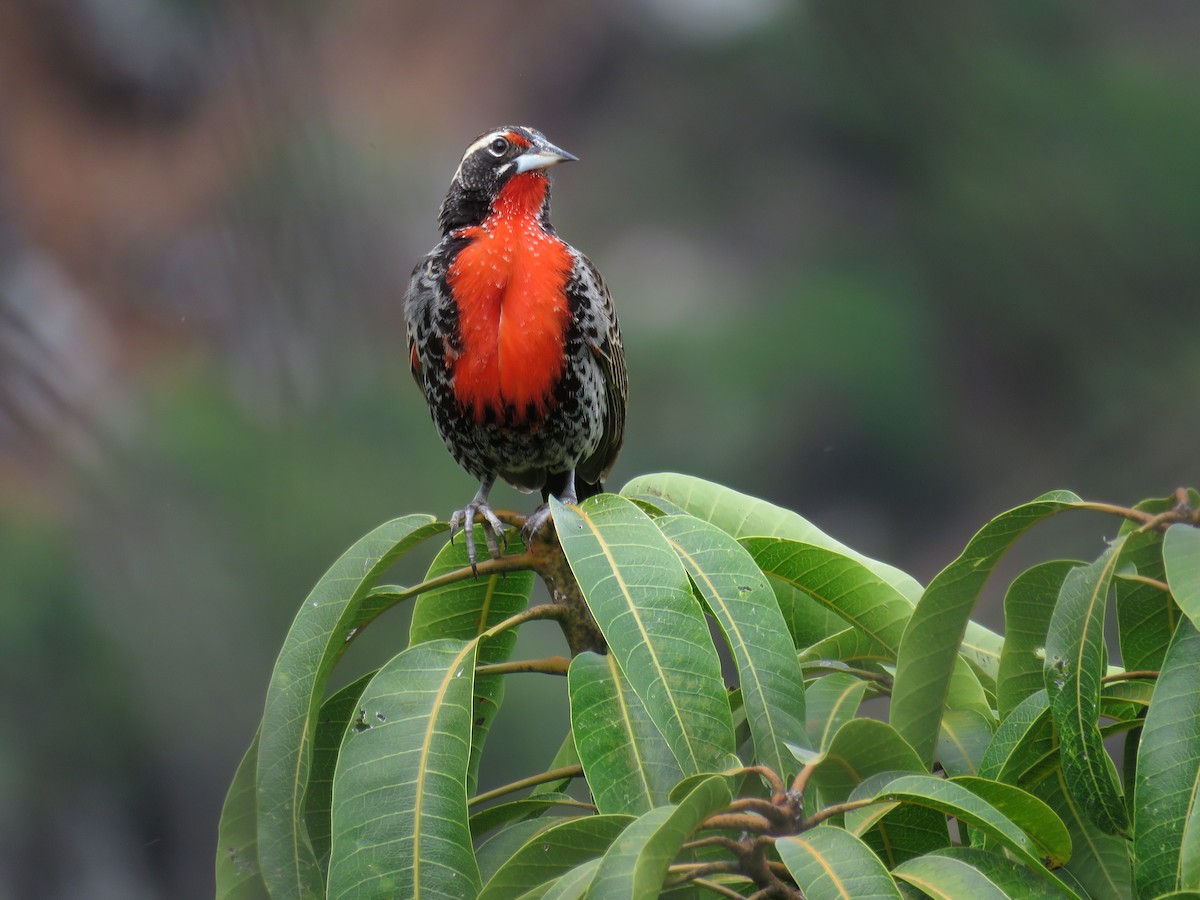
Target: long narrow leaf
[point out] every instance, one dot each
(1024, 740)
(969, 808)
(838, 582)
(958, 872)
(1167, 796)
(737, 593)
(636, 864)
(640, 596)
(829, 863)
(1028, 605)
(1099, 861)
(832, 702)
(629, 767)
(553, 853)
(399, 794)
(1075, 663)
(316, 639)
(464, 610)
(1181, 556)
(336, 715)
(935, 631)
(1027, 812)
(1146, 613)
(740, 515)
(238, 876)
(861, 748)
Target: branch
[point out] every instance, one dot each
(515, 563)
(1128, 676)
(768, 775)
(836, 810)
(529, 614)
(1181, 512)
(1145, 579)
(718, 888)
(737, 822)
(531, 781)
(551, 665)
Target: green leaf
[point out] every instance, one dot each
(849, 646)
(935, 631)
(571, 886)
(965, 737)
(895, 831)
(328, 619)
(957, 872)
(636, 864)
(740, 515)
(1099, 861)
(496, 849)
(501, 814)
(629, 767)
(969, 808)
(1027, 812)
(336, 715)
(567, 755)
(838, 582)
(553, 853)
(737, 593)
(1165, 800)
(861, 748)
(1181, 556)
(464, 610)
(640, 596)
(1146, 614)
(238, 877)
(832, 702)
(829, 862)
(399, 793)
(1024, 741)
(1075, 663)
(1028, 604)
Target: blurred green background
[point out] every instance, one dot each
(896, 266)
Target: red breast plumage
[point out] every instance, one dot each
(513, 337)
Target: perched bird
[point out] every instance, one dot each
(513, 337)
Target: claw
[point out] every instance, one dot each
(538, 517)
(493, 529)
(533, 523)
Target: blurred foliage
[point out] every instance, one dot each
(892, 266)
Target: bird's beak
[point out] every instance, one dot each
(542, 155)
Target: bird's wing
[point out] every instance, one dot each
(609, 352)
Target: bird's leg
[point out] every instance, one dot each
(539, 516)
(464, 520)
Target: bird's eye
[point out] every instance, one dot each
(498, 147)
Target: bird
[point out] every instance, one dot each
(513, 338)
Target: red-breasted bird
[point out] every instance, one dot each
(513, 336)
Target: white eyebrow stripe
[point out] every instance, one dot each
(476, 147)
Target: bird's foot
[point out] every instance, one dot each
(538, 517)
(493, 529)
(534, 522)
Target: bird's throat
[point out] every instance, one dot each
(509, 281)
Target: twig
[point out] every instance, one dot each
(531, 781)
(551, 665)
(835, 810)
(1128, 676)
(717, 888)
(514, 563)
(529, 614)
(1145, 579)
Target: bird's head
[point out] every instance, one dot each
(489, 163)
